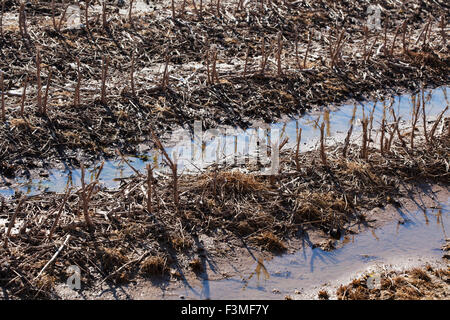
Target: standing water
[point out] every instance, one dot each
(337, 122)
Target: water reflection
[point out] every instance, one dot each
(411, 241)
(336, 120)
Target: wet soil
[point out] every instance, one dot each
(205, 54)
(115, 237)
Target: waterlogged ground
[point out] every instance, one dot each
(229, 142)
(398, 238)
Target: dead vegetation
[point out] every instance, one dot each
(151, 224)
(132, 234)
(126, 70)
(415, 284)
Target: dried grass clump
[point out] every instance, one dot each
(323, 295)
(46, 282)
(154, 266)
(319, 206)
(270, 242)
(443, 274)
(112, 259)
(420, 274)
(414, 284)
(244, 228)
(196, 265)
(231, 183)
(356, 290)
(181, 243)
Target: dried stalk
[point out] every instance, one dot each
(263, 55)
(307, 50)
(280, 48)
(172, 166)
(2, 10)
(347, 141)
(149, 188)
(424, 117)
(77, 88)
(44, 106)
(209, 80)
(415, 117)
(173, 9)
(405, 44)
(335, 53)
(11, 223)
(385, 38)
(297, 149)
(246, 61)
(383, 128)
(427, 32)
(38, 77)
(322, 144)
(397, 128)
(443, 33)
(24, 95)
(297, 59)
(371, 123)
(423, 32)
(55, 26)
(195, 10)
(130, 13)
(127, 162)
(105, 61)
(86, 14)
(85, 198)
(369, 53)
(214, 69)
(62, 17)
(165, 77)
(2, 88)
(23, 21)
(438, 120)
(393, 41)
(55, 223)
(104, 17)
(364, 153)
(133, 90)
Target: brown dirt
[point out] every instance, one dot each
(95, 129)
(245, 210)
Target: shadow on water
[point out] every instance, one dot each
(418, 238)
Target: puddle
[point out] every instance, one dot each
(230, 144)
(417, 240)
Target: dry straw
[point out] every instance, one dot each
(105, 62)
(2, 88)
(323, 156)
(2, 10)
(77, 99)
(24, 95)
(38, 77)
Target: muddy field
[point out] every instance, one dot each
(119, 236)
(161, 68)
(101, 87)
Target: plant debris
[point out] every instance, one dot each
(103, 82)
